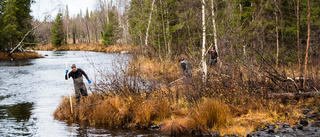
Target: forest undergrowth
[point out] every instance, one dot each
(234, 99)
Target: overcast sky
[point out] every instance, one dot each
(43, 7)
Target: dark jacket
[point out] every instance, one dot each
(77, 74)
(186, 68)
(214, 54)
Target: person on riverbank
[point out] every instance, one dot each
(186, 68)
(213, 57)
(80, 88)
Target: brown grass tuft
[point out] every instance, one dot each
(176, 126)
(210, 113)
(63, 112)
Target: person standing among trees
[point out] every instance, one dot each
(186, 68)
(214, 56)
(79, 87)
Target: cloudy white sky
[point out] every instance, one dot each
(43, 7)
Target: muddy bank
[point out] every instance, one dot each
(20, 55)
(89, 47)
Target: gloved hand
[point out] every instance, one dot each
(66, 71)
(89, 81)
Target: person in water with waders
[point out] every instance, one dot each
(79, 87)
(186, 68)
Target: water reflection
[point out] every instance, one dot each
(18, 112)
(59, 53)
(16, 63)
(16, 120)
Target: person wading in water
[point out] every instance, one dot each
(79, 86)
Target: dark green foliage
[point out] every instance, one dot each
(57, 31)
(15, 22)
(112, 31)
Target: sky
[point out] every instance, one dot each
(44, 7)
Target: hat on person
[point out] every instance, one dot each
(213, 48)
(73, 66)
(181, 59)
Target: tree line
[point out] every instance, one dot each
(275, 29)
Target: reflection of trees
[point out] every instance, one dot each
(59, 53)
(21, 112)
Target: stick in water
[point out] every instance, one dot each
(69, 88)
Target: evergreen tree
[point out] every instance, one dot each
(11, 33)
(15, 22)
(112, 31)
(57, 31)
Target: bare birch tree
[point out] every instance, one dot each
(149, 22)
(204, 64)
(215, 30)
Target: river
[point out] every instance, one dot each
(31, 90)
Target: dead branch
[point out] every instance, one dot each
(293, 95)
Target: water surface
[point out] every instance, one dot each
(30, 91)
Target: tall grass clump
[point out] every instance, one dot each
(176, 126)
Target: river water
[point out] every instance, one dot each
(31, 90)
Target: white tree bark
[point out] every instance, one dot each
(149, 22)
(119, 12)
(278, 47)
(107, 4)
(204, 64)
(215, 31)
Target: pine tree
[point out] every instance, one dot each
(57, 32)
(10, 30)
(15, 22)
(112, 31)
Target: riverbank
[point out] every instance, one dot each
(88, 47)
(233, 101)
(20, 55)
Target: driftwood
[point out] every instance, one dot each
(293, 95)
(26, 36)
(21, 42)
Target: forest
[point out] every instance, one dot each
(268, 54)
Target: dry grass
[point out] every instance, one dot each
(176, 126)
(88, 47)
(20, 55)
(210, 113)
(224, 103)
(155, 69)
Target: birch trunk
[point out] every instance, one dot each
(308, 45)
(119, 12)
(204, 64)
(107, 4)
(215, 31)
(149, 22)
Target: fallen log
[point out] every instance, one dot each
(293, 95)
